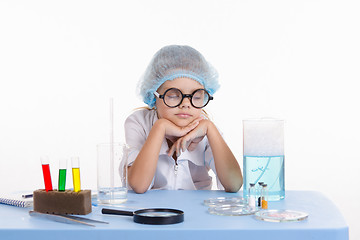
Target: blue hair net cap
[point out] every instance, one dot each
(173, 62)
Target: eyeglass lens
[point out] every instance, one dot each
(173, 98)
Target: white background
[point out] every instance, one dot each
(61, 61)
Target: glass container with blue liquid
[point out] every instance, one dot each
(263, 141)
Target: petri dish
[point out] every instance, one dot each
(220, 201)
(281, 215)
(233, 210)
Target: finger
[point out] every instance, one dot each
(186, 141)
(200, 118)
(171, 150)
(195, 122)
(189, 127)
(191, 141)
(192, 146)
(178, 145)
(175, 148)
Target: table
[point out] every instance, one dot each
(324, 221)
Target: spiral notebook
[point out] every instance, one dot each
(16, 200)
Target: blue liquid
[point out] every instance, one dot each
(267, 169)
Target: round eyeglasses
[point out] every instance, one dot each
(173, 97)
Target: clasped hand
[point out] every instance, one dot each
(187, 137)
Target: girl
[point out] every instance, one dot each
(173, 144)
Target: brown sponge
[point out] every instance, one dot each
(67, 202)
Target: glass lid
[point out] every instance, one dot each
(233, 210)
(281, 215)
(220, 201)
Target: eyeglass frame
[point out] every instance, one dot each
(190, 96)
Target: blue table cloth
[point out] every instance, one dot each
(324, 221)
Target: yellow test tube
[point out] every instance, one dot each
(75, 162)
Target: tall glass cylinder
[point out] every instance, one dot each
(263, 161)
(112, 173)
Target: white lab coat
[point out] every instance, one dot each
(191, 171)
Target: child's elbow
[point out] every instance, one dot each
(235, 186)
(232, 189)
(137, 188)
(136, 183)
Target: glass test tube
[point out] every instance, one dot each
(258, 193)
(264, 197)
(252, 195)
(75, 162)
(62, 174)
(46, 172)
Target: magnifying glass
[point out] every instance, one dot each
(155, 216)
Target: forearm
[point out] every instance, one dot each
(227, 167)
(143, 169)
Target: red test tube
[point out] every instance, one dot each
(46, 172)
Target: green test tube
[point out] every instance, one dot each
(62, 174)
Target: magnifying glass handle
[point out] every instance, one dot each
(116, 212)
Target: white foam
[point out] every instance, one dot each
(263, 137)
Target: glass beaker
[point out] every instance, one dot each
(263, 161)
(112, 173)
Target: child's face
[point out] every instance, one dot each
(185, 113)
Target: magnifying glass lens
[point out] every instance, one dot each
(157, 214)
